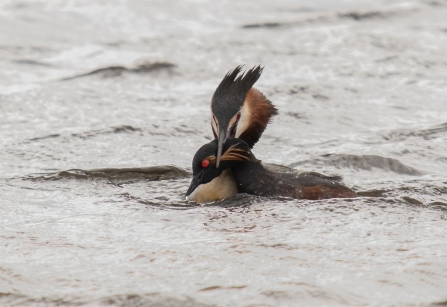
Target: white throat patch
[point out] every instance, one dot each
(244, 121)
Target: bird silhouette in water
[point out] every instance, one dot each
(252, 177)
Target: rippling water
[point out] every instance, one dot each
(104, 103)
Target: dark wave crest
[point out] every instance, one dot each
(362, 162)
(114, 71)
(153, 173)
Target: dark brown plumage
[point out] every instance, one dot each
(261, 112)
(253, 178)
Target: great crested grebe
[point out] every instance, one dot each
(252, 177)
(239, 110)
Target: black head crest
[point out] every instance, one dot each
(230, 94)
(233, 84)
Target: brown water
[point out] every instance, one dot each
(104, 103)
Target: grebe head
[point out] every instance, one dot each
(230, 112)
(204, 162)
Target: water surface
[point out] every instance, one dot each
(103, 105)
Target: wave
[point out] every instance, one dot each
(353, 15)
(150, 299)
(92, 133)
(152, 173)
(427, 134)
(114, 71)
(362, 162)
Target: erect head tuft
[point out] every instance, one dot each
(228, 101)
(236, 83)
(229, 96)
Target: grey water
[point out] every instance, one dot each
(104, 103)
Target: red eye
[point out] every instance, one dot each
(205, 163)
(238, 116)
